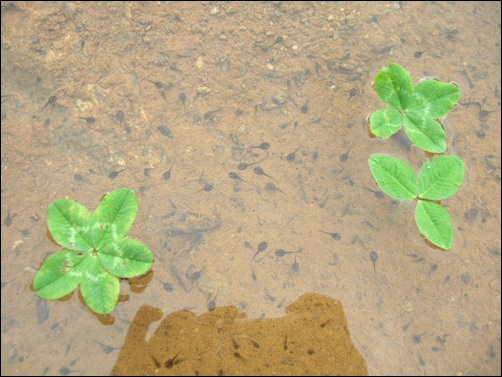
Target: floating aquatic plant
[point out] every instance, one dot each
(438, 179)
(417, 107)
(96, 252)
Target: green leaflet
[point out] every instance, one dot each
(433, 99)
(425, 132)
(114, 216)
(415, 106)
(385, 123)
(394, 176)
(96, 250)
(434, 223)
(60, 274)
(69, 224)
(394, 86)
(440, 177)
(126, 257)
(99, 288)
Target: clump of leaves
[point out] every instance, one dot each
(415, 106)
(96, 251)
(438, 179)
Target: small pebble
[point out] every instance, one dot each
(203, 90)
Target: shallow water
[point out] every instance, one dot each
(195, 89)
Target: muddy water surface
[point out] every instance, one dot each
(242, 123)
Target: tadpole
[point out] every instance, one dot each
(207, 187)
(421, 360)
(279, 39)
(80, 178)
(170, 363)
(442, 339)
(482, 113)
(262, 146)
(161, 86)
(374, 257)
(378, 194)
(405, 326)
(281, 252)
(253, 275)
(8, 219)
(212, 304)
(167, 286)
(183, 98)
(260, 171)
(64, 371)
(155, 361)
(106, 348)
(418, 54)
(90, 120)
(344, 157)
(114, 174)
(261, 247)
(234, 175)
(146, 172)
(305, 108)
(52, 100)
(291, 157)
(295, 266)
(120, 116)
(272, 187)
(352, 93)
(166, 131)
(157, 84)
(243, 165)
(194, 276)
(167, 174)
(418, 338)
(335, 235)
(209, 115)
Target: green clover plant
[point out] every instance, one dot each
(96, 252)
(438, 179)
(415, 106)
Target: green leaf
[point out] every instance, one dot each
(114, 216)
(394, 86)
(440, 177)
(99, 288)
(126, 258)
(425, 133)
(385, 123)
(69, 224)
(419, 108)
(394, 177)
(60, 274)
(434, 223)
(433, 99)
